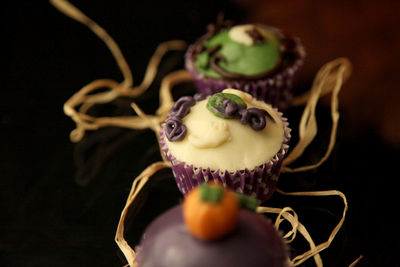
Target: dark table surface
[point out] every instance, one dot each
(60, 202)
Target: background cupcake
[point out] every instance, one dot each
(230, 138)
(258, 59)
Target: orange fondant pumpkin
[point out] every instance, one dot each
(209, 220)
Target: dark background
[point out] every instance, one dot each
(60, 202)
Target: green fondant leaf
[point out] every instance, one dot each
(215, 103)
(247, 202)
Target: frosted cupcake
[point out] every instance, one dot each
(213, 227)
(257, 59)
(230, 138)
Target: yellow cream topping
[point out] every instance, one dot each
(209, 134)
(226, 144)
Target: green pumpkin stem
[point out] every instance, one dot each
(211, 194)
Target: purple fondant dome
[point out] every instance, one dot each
(254, 242)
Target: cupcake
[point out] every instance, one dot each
(213, 227)
(258, 59)
(230, 138)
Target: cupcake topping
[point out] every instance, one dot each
(222, 105)
(225, 105)
(210, 211)
(182, 106)
(228, 106)
(211, 194)
(215, 142)
(255, 35)
(247, 34)
(173, 127)
(255, 117)
(242, 52)
(212, 134)
(247, 202)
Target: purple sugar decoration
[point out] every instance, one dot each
(182, 107)
(225, 105)
(255, 117)
(231, 108)
(174, 129)
(244, 116)
(199, 96)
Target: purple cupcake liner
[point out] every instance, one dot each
(259, 182)
(276, 90)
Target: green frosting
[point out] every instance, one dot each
(242, 59)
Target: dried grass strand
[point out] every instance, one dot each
(286, 213)
(70, 10)
(354, 263)
(296, 227)
(329, 79)
(85, 122)
(317, 249)
(138, 184)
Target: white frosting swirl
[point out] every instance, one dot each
(209, 134)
